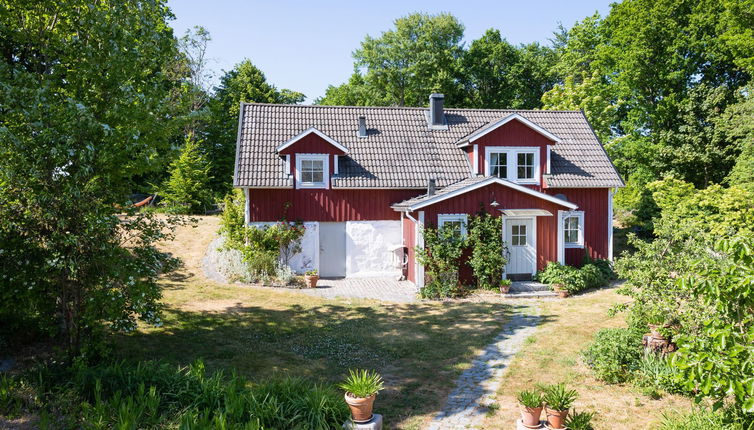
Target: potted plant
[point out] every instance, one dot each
(580, 421)
(558, 399)
(505, 286)
(561, 289)
(311, 277)
(361, 388)
(531, 408)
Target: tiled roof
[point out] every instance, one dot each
(400, 151)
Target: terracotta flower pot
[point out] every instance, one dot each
(505, 288)
(556, 419)
(558, 287)
(361, 407)
(655, 330)
(530, 416)
(563, 294)
(311, 280)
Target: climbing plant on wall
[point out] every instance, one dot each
(486, 242)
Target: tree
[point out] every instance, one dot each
(187, 189)
(738, 128)
(500, 75)
(406, 64)
(84, 110)
(245, 83)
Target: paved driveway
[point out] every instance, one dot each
(386, 289)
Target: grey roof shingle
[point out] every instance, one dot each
(400, 151)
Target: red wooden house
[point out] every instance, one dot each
(365, 180)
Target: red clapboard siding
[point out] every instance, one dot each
(331, 205)
(513, 133)
(470, 203)
(594, 203)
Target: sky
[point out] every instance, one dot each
(306, 45)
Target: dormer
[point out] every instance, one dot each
(312, 158)
(512, 148)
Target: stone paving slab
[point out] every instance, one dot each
(476, 388)
(385, 289)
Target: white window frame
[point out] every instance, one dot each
(325, 158)
(580, 216)
(512, 160)
(463, 218)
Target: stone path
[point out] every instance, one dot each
(476, 388)
(385, 289)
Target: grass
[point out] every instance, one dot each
(553, 356)
(419, 349)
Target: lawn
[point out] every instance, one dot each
(420, 349)
(553, 355)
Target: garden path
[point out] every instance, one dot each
(467, 405)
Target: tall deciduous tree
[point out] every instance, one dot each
(245, 83)
(82, 110)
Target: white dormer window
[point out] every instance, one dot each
(312, 171)
(516, 164)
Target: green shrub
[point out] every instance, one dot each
(594, 274)
(441, 258)
(614, 354)
(487, 257)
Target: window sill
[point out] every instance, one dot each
(312, 186)
(574, 245)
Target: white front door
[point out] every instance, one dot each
(522, 252)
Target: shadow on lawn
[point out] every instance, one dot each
(419, 349)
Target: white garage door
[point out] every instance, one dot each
(332, 249)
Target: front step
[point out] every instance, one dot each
(532, 295)
(529, 290)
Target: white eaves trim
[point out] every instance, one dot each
(474, 136)
(307, 132)
(484, 183)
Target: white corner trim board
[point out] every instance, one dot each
(561, 239)
(307, 132)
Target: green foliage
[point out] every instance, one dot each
(700, 419)
(232, 219)
(486, 243)
(614, 354)
(362, 383)
(718, 359)
(579, 420)
(441, 258)
(244, 83)
(655, 372)
(594, 274)
(186, 190)
(86, 110)
(559, 397)
(530, 399)
(157, 395)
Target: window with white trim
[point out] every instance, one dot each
(573, 229)
(525, 165)
(312, 170)
(518, 235)
(455, 221)
(514, 163)
(499, 164)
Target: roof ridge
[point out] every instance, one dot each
(405, 107)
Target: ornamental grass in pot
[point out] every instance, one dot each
(530, 403)
(558, 399)
(361, 387)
